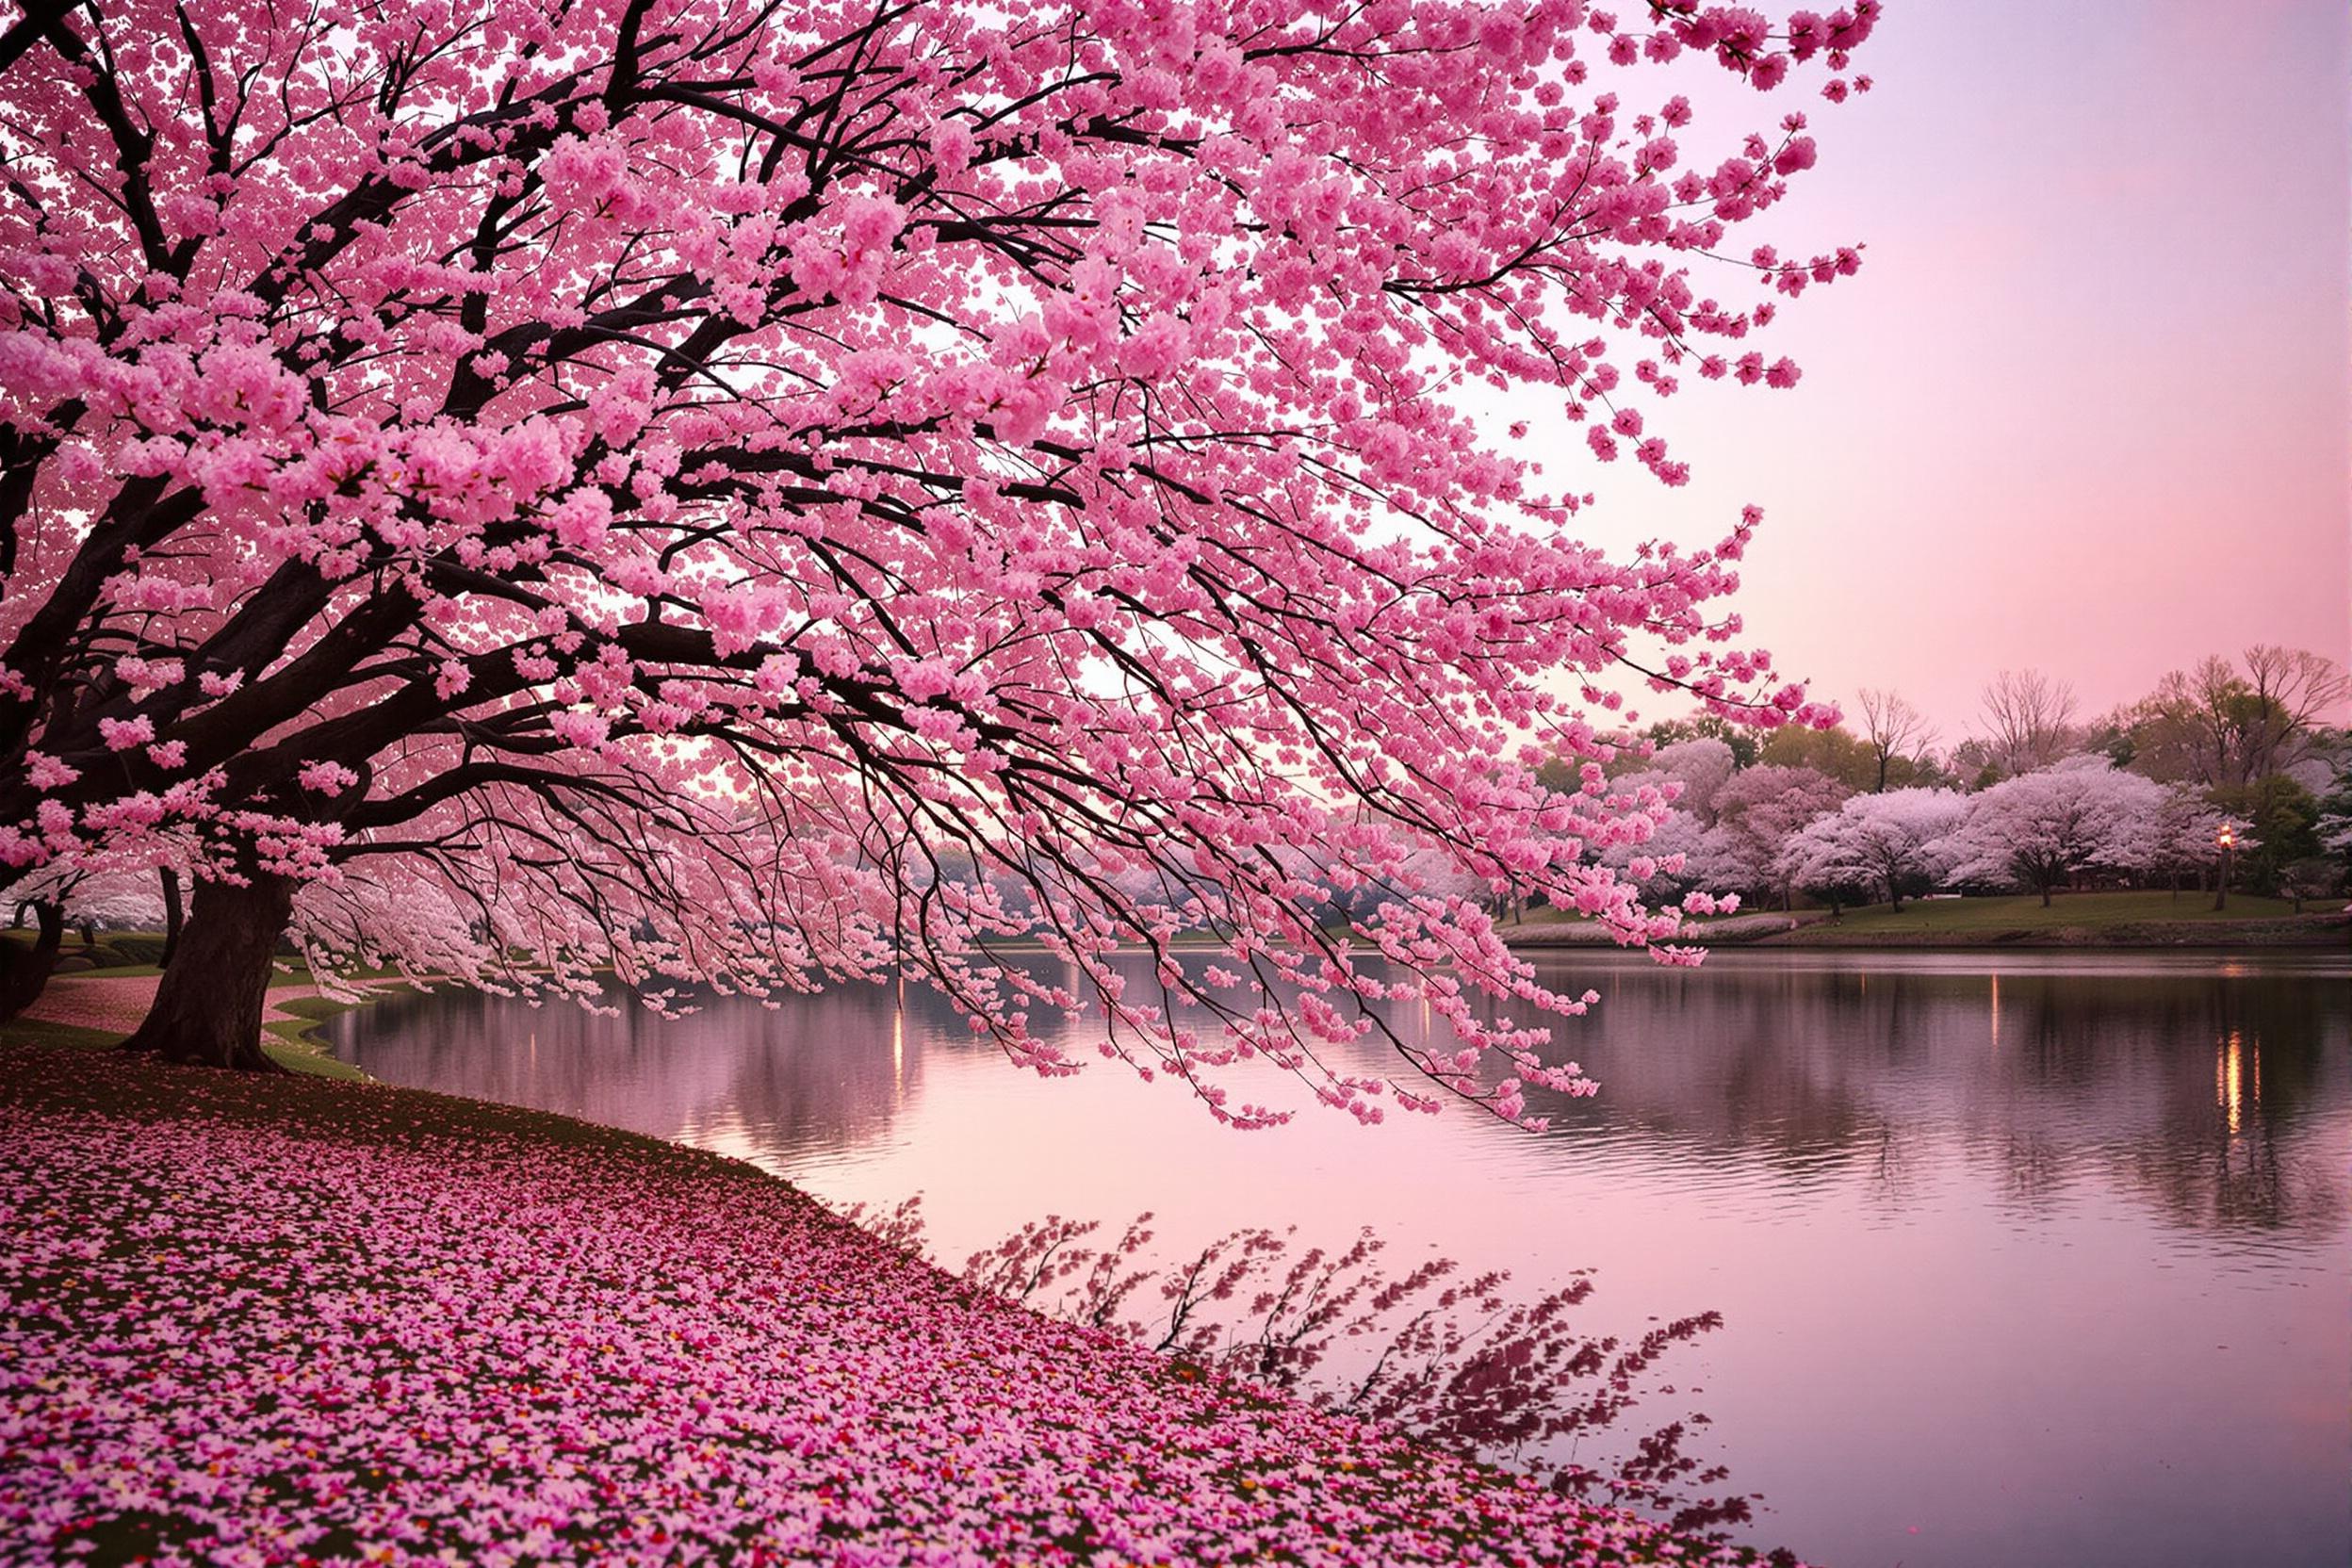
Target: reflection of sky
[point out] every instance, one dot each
(2043, 1256)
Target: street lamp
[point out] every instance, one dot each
(2227, 840)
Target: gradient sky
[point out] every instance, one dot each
(2085, 409)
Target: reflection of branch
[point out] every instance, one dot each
(1456, 1361)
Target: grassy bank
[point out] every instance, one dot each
(290, 1320)
(93, 1006)
(2072, 920)
(2081, 919)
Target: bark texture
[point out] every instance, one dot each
(174, 916)
(209, 1007)
(24, 970)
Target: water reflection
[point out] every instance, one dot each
(2040, 1256)
(2188, 1087)
(807, 1075)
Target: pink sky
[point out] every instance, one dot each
(2086, 407)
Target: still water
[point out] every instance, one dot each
(2025, 1260)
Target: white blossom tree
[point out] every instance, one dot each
(2041, 829)
(1887, 841)
(2177, 832)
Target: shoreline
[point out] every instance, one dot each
(87, 1009)
(2113, 922)
(539, 1333)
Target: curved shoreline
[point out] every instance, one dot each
(295, 1318)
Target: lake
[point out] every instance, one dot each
(2025, 1259)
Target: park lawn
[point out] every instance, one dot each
(293, 1042)
(2087, 920)
(2090, 913)
(279, 1319)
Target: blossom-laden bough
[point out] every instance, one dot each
(752, 493)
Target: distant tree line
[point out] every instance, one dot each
(2035, 798)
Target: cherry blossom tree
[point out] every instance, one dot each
(1667, 853)
(84, 889)
(1885, 841)
(1677, 856)
(2041, 829)
(534, 484)
(1698, 769)
(1757, 812)
(2174, 832)
(2334, 826)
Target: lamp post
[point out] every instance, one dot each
(2227, 840)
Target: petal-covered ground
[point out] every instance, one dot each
(284, 1320)
(119, 1001)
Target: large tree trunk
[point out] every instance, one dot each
(172, 916)
(209, 1007)
(24, 970)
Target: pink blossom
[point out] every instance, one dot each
(326, 778)
(47, 773)
(832, 447)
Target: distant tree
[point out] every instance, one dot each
(2042, 828)
(1893, 729)
(2222, 726)
(2297, 693)
(1740, 738)
(1972, 765)
(2029, 721)
(2314, 877)
(2334, 826)
(1693, 771)
(88, 890)
(2110, 735)
(1926, 769)
(1837, 751)
(76, 893)
(1880, 841)
(1756, 814)
(1676, 858)
(26, 967)
(2283, 818)
(2177, 835)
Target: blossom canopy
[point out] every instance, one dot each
(528, 484)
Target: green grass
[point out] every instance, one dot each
(297, 1046)
(29, 1031)
(2088, 912)
(293, 1044)
(2117, 919)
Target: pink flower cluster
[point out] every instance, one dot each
(258, 1323)
(759, 496)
